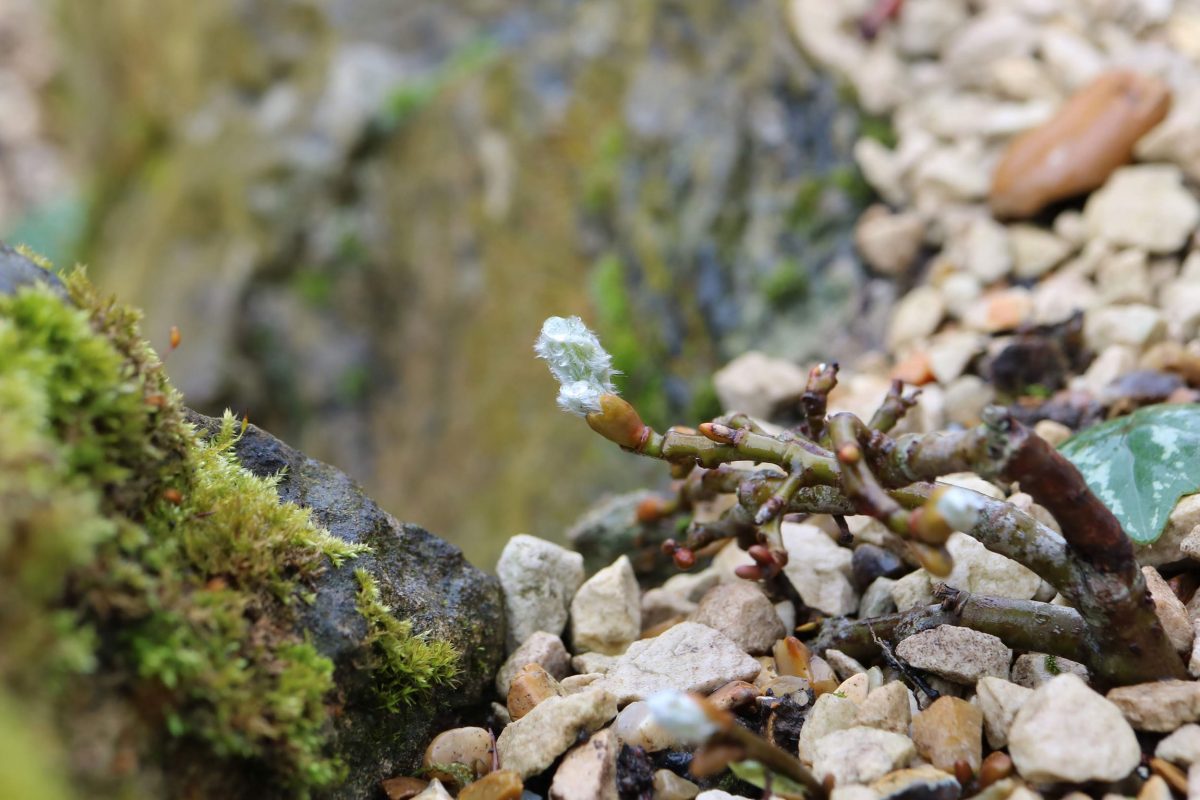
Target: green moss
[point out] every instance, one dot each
(1052, 665)
(131, 546)
(406, 665)
(786, 284)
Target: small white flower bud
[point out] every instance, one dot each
(578, 361)
(681, 716)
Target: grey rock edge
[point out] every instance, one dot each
(421, 577)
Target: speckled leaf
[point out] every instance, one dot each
(1140, 465)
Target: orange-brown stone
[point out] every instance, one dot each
(500, 785)
(1075, 151)
(950, 731)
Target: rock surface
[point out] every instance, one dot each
(1146, 207)
(999, 700)
(949, 731)
(589, 771)
(1031, 670)
(819, 569)
(1067, 732)
(1162, 706)
(420, 576)
(541, 648)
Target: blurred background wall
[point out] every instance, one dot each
(358, 212)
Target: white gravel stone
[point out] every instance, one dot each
(541, 648)
(1180, 302)
(1170, 609)
(889, 242)
(819, 569)
(606, 614)
(882, 169)
(988, 253)
(830, 713)
(877, 599)
(980, 571)
(915, 317)
(689, 657)
(887, 707)
(1035, 250)
(539, 579)
(966, 397)
(1067, 732)
(957, 654)
(1144, 206)
(586, 663)
(1160, 706)
(860, 755)
(949, 352)
(843, 665)
(636, 727)
(999, 700)
(1181, 747)
(927, 25)
(754, 382)
(1134, 325)
(743, 613)
(659, 605)
(914, 589)
(532, 743)
(1031, 670)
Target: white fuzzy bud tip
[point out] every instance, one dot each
(960, 508)
(578, 361)
(681, 716)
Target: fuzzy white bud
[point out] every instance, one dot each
(681, 716)
(578, 362)
(960, 508)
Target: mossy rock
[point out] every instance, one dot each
(178, 616)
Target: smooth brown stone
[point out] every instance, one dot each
(501, 785)
(1075, 151)
(530, 686)
(733, 695)
(403, 788)
(948, 732)
(471, 747)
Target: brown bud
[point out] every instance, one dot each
(849, 454)
(651, 509)
(748, 572)
(618, 422)
(926, 524)
(936, 560)
(173, 496)
(721, 434)
(684, 558)
(963, 771)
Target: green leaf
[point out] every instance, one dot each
(1140, 465)
(754, 773)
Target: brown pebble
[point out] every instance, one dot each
(1075, 151)
(996, 767)
(914, 369)
(1173, 775)
(403, 788)
(733, 695)
(500, 785)
(792, 657)
(1155, 789)
(471, 747)
(530, 686)
(949, 734)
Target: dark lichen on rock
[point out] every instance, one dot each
(167, 624)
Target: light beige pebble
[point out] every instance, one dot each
(434, 791)
(606, 613)
(754, 382)
(999, 700)
(577, 683)
(854, 688)
(958, 654)
(669, 786)
(588, 771)
(980, 571)
(660, 605)
(1053, 432)
(1181, 747)
(689, 657)
(531, 744)
(1170, 610)
(860, 755)
(889, 708)
(1160, 706)
(918, 781)
(949, 731)
(636, 727)
(539, 579)
(819, 569)
(743, 613)
(588, 663)
(914, 589)
(530, 686)
(1155, 789)
(830, 713)
(843, 665)
(1067, 732)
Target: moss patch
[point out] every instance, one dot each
(405, 665)
(135, 551)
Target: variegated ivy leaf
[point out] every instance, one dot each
(1140, 465)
